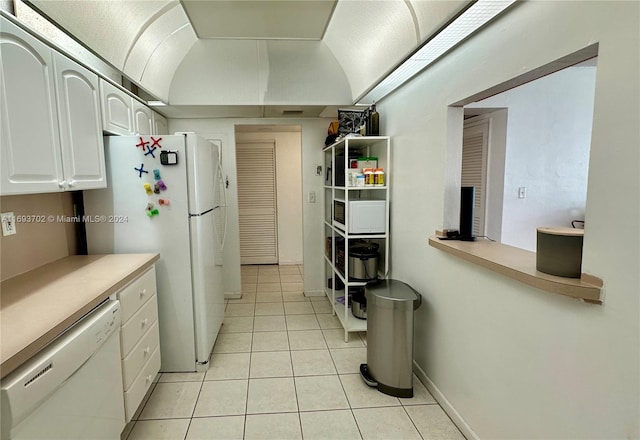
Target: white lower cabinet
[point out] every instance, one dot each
(139, 339)
(134, 395)
(134, 329)
(139, 355)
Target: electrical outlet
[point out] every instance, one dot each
(8, 223)
(311, 197)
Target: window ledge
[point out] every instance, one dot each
(520, 265)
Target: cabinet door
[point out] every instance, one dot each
(80, 125)
(160, 124)
(30, 141)
(117, 109)
(142, 117)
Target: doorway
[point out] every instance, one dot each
(475, 142)
(257, 208)
(269, 165)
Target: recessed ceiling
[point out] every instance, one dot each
(260, 19)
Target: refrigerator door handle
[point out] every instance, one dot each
(224, 202)
(202, 213)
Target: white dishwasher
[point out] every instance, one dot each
(72, 389)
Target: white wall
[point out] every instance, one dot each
(495, 172)
(314, 132)
(288, 191)
(513, 361)
(547, 152)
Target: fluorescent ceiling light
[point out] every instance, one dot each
(479, 14)
(156, 104)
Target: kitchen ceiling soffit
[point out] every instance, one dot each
(249, 111)
(120, 31)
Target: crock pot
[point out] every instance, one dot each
(359, 303)
(363, 261)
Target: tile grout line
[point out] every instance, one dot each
(293, 379)
(246, 402)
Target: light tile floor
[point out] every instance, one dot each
(281, 370)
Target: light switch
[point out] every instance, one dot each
(311, 197)
(522, 192)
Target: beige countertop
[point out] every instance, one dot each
(520, 265)
(37, 306)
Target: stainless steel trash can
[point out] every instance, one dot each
(390, 307)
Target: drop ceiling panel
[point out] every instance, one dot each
(261, 19)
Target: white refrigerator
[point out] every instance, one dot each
(166, 194)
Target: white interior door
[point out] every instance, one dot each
(256, 166)
(475, 143)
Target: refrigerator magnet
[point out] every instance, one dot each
(169, 157)
(141, 170)
(150, 151)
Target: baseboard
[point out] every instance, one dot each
(309, 293)
(232, 295)
(289, 263)
(455, 417)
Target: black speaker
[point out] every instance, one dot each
(467, 200)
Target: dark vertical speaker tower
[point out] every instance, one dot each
(467, 200)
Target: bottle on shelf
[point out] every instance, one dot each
(374, 121)
(378, 177)
(368, 176)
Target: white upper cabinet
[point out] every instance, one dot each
(50, 114)
(160, 124)
(80, 127)
(117, 110)
(143, 118)
(30, 140)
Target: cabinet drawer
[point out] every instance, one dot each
(134, 395)
(140, 354)
(138, 325)
(137, 293)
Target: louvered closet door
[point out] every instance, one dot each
(474, 168)
(256, 165)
